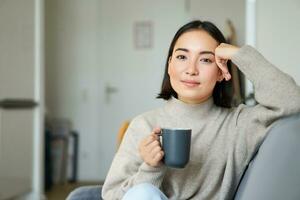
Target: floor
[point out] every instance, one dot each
(61, 191)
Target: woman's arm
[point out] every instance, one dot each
(275, 91)
(128, 169)
(277, 95)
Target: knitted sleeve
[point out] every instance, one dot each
(277, 95)
(128, 168)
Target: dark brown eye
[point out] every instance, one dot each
(181, 57)
(206, 60)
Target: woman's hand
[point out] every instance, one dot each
(223, 53)
(150, 149)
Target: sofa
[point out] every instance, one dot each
(272, 174)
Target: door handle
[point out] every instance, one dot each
(17, 103)
(109, 90)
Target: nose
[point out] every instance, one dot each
(192, 69)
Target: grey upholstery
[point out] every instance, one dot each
(86, 193)
(275, 171)
(273, 174)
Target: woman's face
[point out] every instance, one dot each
(192, 68)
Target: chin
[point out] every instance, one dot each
(193, 96)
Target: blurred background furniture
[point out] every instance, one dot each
(61, 152)
(122, 131)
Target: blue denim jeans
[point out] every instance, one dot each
(144, 191)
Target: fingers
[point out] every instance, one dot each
(156, 150)
(148, 140)
(156, 130)
(152, 154)
(223, 53)
(153, 144)
(157, 158)
(222, 64)
(149, 143)
(150, 148)
(153, 136)
(227, 76)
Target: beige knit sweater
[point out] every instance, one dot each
(223, 140)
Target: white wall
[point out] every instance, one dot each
(219, 11)
(278, 34)
(136, 73)
(89, 44)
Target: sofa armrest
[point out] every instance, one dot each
(274, 173)
(86, 192)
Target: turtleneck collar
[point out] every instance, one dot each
(176, 107)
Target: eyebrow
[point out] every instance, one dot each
(201, 52)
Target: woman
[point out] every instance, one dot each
(223, 138)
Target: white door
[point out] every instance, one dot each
(129, 78)
(20, 119)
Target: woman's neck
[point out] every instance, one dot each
(194, 100)
(179, 108)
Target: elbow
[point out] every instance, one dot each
(106, 193)
(295, 104)
(292, 108)
(292, 104)
(111, 193)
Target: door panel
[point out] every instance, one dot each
(16, 49)
(16, 143)
(17, 79)
(16, 147)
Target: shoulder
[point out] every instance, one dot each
(235, 114)
(143, 124)
(148, 118)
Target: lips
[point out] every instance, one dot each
(190, 83)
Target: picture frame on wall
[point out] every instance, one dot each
(143, 35)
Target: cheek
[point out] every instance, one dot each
(173, 72)
(210, 74)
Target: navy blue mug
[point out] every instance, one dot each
(176, 144)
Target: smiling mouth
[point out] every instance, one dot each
(191, 83)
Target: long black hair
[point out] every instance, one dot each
(222, 93)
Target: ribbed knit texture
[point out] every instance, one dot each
(223, 140)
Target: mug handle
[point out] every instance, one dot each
(160, 137)
(160, 141)
(159, 134)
